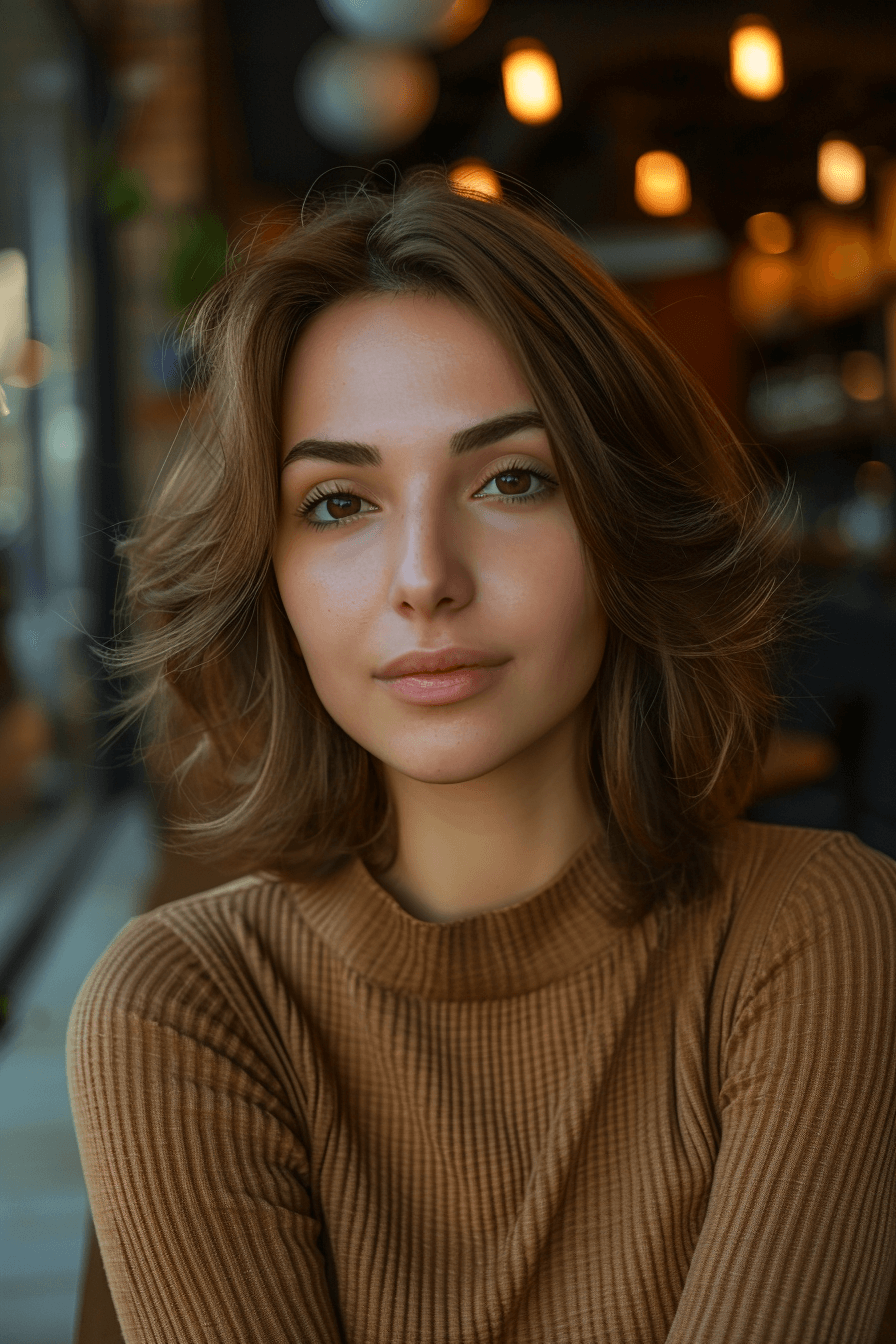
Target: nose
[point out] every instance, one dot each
(431, 569)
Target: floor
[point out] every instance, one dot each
(42, 1194)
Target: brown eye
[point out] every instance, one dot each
(342, 506)
(331, 508)
(514, 482)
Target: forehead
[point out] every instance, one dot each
(373, 358)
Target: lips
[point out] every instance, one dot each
(419, 661)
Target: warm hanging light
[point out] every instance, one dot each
(365, 97)
(757, 64)
(463, 18)
(841, 171)
(761, 288)
(862, 375)
(770, 232)
(662, 184)
(32, 365)
(531, 84)
(475, 177)
(886, 219)
(386, 20)
(838, 272)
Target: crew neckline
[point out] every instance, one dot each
(500, 953)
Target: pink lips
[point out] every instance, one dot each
(441, 677)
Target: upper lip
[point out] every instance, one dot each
(439, 660)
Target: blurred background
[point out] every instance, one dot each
(736, 173)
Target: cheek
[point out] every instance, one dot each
(575, 640)
(328, 603)
(548, 596)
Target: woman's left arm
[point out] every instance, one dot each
(799, 1241)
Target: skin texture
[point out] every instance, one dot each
(487, 790)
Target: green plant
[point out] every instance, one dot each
(198, 258)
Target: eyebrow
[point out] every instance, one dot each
(467, 440)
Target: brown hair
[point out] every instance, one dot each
(680, 524)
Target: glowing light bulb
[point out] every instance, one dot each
(841, 171)
(662, 184)
(757, 64)
(531, 84)
(770, 232)
(475, 177)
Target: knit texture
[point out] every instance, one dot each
(306, 1115)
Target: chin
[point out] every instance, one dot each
(447, 774)
(455, 764)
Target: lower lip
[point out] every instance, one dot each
(443, 688)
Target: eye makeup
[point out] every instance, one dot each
(329, 491)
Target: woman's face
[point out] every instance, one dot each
(417, 519)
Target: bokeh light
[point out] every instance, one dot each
(862, 375)
(662, 184)
(463, 18)
(531, 83)
(32, 365)
(876, 478)
(886, 216)
(757, 62)
(770, 232)
(841, 171)
(475, 177)
(387, 20)
(762, 287)
(363, 97)
(838, 271)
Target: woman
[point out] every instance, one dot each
(456, 618)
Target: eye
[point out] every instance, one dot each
(517, 484)
(325, 508)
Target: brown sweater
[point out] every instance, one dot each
(305, 1115)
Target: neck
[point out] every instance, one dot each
(469, 847)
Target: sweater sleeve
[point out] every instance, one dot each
(193, 1157)
(799, 1240)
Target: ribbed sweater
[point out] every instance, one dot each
(306, 1115)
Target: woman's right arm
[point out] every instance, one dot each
(195, 1167)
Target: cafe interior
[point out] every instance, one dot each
(734, 173)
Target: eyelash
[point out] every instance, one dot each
(320, 493)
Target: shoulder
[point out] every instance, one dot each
(782, 875)
(206, 951)
(820, 903)
(186, 995)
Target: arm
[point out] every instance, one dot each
(799, 1240)
(194, 1163)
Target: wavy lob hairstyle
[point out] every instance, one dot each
(680, 526)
